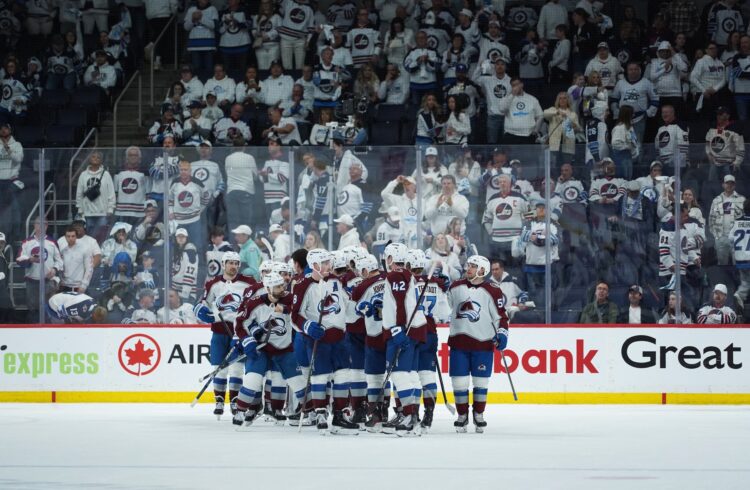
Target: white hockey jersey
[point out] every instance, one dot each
(275, 182)
(328, 297)
(183, 315)
(640, 95)
(276, 326)
(536, 248)
(667, 75)
(609, 68)
(725, 146)
(492, 50)
(364, 43)
(692, 236)
(503, 216)
(477, 315)
(187, 200)
(67, 306)
(224, 297)
(609, 187)
(208, 173)
(716, 315)
(130, 187)
(297, 20)
(672, 145)
(233, 28)
(185, 265)
(422, 73)
(49, 254)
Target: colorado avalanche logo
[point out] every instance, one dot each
(129, 185)
(185, 199)
(377, 303)
(229, 302)
(503, 211)
(331, 305)
(469, 310)
(277, 326)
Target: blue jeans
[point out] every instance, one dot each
(742, 102)
(623, 163)
(203, 64)
(495, 128)
(55, 81)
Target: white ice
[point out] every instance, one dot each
(150, 446)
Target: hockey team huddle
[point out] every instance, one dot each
(345, 334)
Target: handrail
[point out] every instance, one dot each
(172, 19)
(117, 105)
(50, 189)
(71, 200)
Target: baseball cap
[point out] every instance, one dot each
(494, 23)
(633, 185)
(729, 178)
(346, 219)
(468, 13)
(146, 292)
(274, 228)
(394, 213)
(410, 180)
(210, 94)
(431, 150)
(602, 45)
(196, 104)
(635, 288)
(185, 68)
(206, 143)
(461, 68)
(2, 237)
(181, 232)
(721, 288)
(244, 229)
(150, 203)
(276, 62)
(654, 164)
(664, 45)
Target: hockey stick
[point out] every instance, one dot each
(510, 380)
(312, 359)
(450, 407)
(408, 328)
(226, 362)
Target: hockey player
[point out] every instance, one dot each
(218, 306)
(318, 310)
(404, 326)
(435, 308)
(478, 323)
(264, 330)
(72, 308)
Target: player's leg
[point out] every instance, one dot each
(248, 400)
(406, 380)
(219, 348)
(341, 380)
(358, 383)
(322, 371)
(481, 370)
(236, 373)
(427, 378)
(278, 395)
(459, 373)
(375, 375)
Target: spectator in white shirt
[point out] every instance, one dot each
(440, 209)
(394, 89)
(458, 126)
(348, 231)
(284, 129)
(78, 264)
(523, 114)
(232, 130)
(222, 86)
(277, 87)
(101, 74)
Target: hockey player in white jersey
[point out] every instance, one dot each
(478, 324)
(218, 306)
(367, 298)
(405, 328)
(71, 307)
(436, 309)
(265, 333)
(318, 311)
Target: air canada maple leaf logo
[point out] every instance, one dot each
(139, 354)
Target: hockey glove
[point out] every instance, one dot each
(255, 331)
(314, 330)
(365, 309)
(501, 338)
(250, 348)
(203, 313)
(398, 336)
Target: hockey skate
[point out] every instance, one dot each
(390, 426)
(426, 424)
(461, 423)
(375, 421)
(409, 427)
(479, 423)
(321, 419)
(267, 412)
(360, 416)
(219, 409)
(243, 420)
(278, 417)
(233, 406)
(342, 426)
(294, 419)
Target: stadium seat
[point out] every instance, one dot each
(73, 117)
(389, 112)
(408, 130)
(304, 130)
(29, 136)
(54, 99)
(384, 133)
(62, 136)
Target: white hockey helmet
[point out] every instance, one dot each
(265, 267)
(318, 256)
(340, 259)
(281, 268)
(416, 259)
(358, 252)
(367, 262)
(482, 264)
(229, 256)
(271, 280)
(396, 251)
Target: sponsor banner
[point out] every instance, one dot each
(548, 364)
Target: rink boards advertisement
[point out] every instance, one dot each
(549, 364)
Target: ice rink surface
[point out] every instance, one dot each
(152, 446)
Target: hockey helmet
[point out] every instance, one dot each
(318, 256)
(416, 259)
(397, 252)
(230, 256)
(271, 280)
(340, 259)
(482, 264)
(367, 262)
(265, 267)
